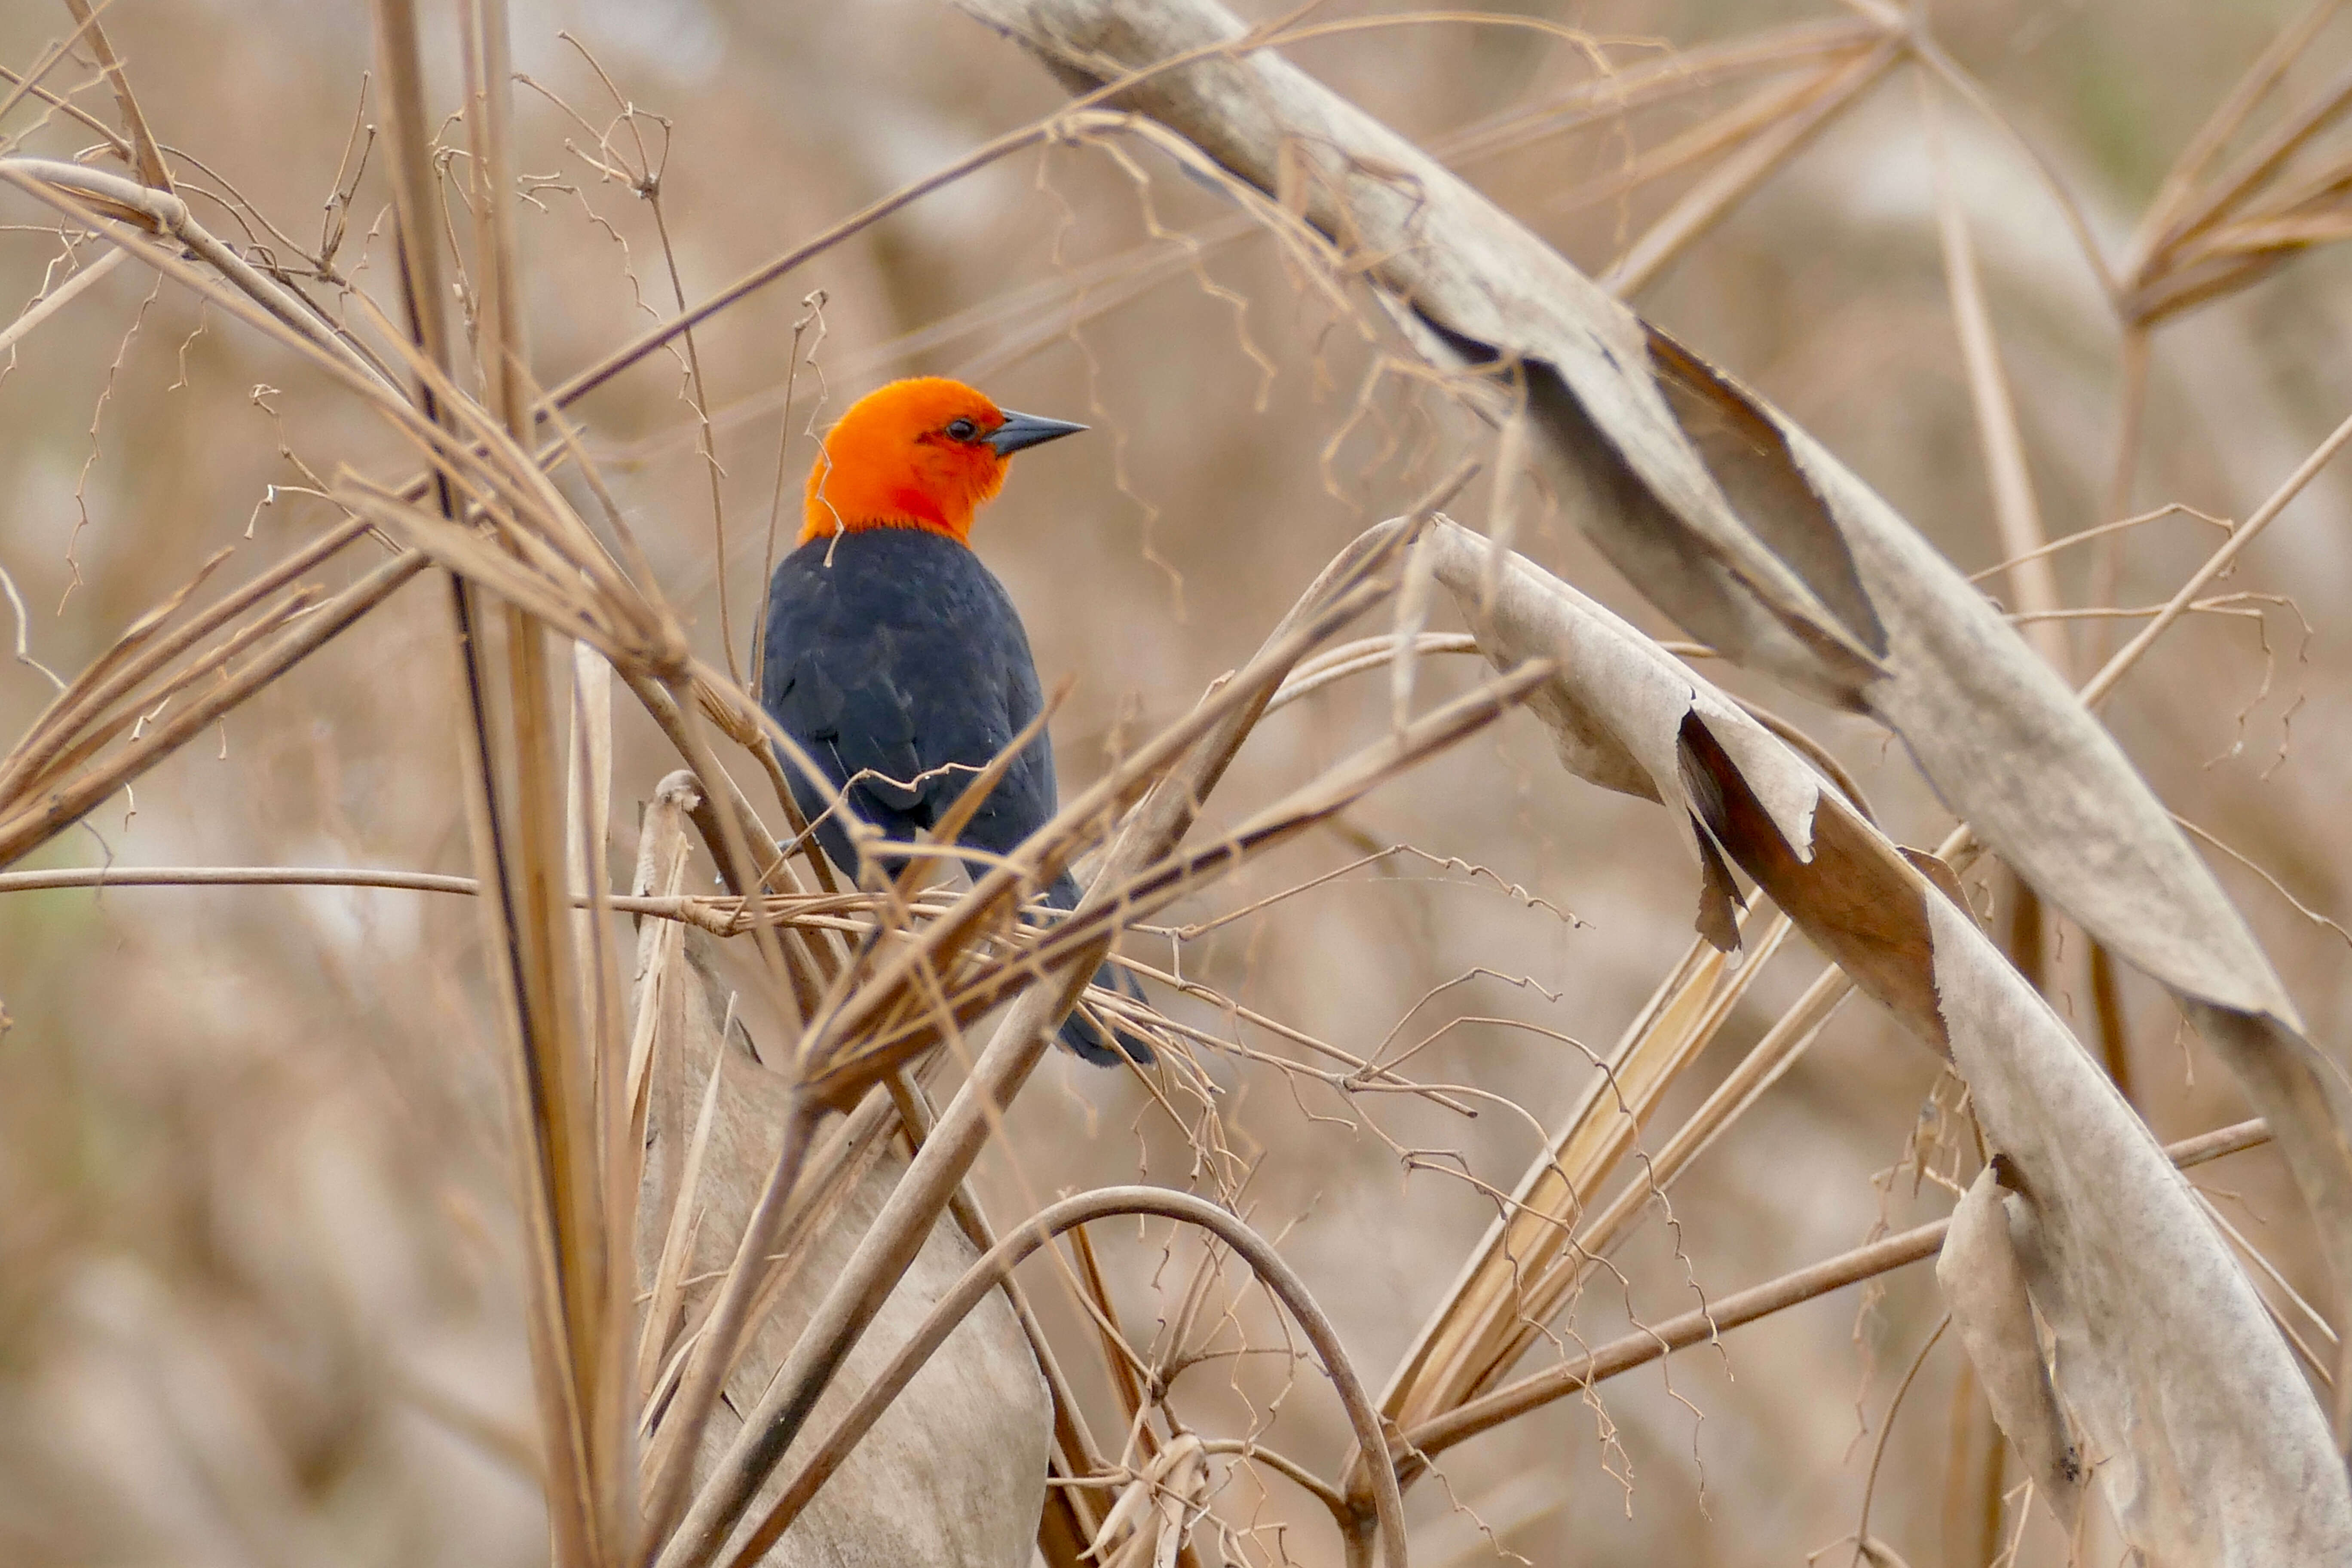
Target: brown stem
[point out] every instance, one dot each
(1972, 1476)
(2107, 557)
(2107, 1010)
(722, 1332)
(898, 1232)
(42, 820)
(1273, 1272)
(1070, 1517)
(145, 158)
(1420, 1443)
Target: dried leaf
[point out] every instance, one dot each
(2198, 1422)
(1619, 721)
(2200, 1426)
(1984, 1287)
(1477, 290)
(2043, 785)
(969, 1436)
(1738, 524)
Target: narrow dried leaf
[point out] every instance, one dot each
(96, 686)
(1485, 292)
(1738, 524)
(2198, 1422)
(968, 1436)
(1790, 123)
(35, 822)
(1984, 1288)
(1532, 1256)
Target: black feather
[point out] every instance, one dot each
(896, 660)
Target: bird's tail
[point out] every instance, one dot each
(1107, 1044)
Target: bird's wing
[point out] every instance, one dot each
(848, 703)
(902, 666)
(831, 680)
(1024, 799)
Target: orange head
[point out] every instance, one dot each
(926, 453)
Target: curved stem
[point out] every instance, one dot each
(713, 1357)
(985, 1274)
(1886, 1432)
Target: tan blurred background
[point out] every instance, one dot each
(257, 1258)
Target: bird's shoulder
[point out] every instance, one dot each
(896, 632)
(900, 580)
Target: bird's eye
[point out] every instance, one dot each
(963, 429)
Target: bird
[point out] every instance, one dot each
(894, 659)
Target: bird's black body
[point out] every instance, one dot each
(895, 659)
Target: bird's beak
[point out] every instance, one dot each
(1021, 430)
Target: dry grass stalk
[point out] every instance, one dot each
(1272, 1271)
(1424, 1443)
(146, 159)
(2209, 232)
(1760, 150)
(1533, 1255)
(2017, 517)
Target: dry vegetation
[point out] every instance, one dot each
(392, 476)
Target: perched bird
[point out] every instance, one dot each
(896, 658)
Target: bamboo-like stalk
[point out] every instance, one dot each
(1533, 1254)
(564, 1043)
(514, 810)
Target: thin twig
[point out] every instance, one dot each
(1646, 1345)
